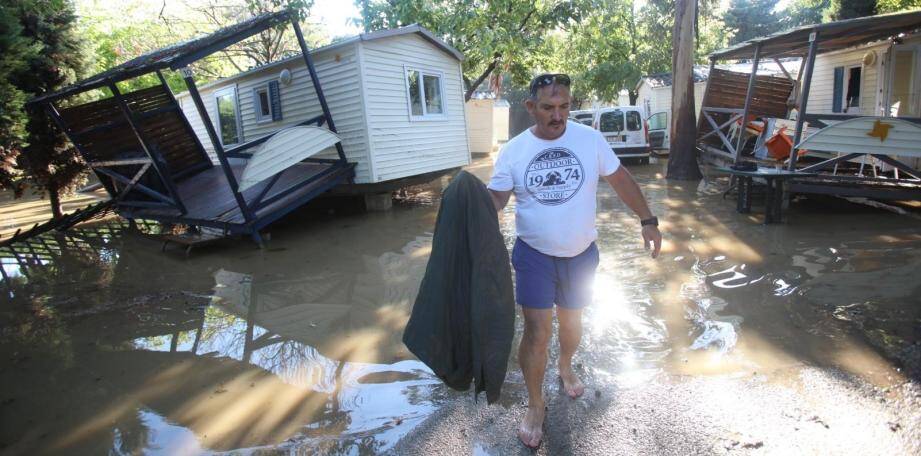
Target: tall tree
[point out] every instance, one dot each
(751, 19)
(48, 163)
(265, 47)
(682, 163)
(850, 9)
(15, 51)
(491, 35)
(891, 6)
(806, 12)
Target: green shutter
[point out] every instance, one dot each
(839, 90)
(275, 100)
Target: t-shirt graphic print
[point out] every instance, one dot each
(554, 176)
(555, 183)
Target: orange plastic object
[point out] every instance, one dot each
(779, 145)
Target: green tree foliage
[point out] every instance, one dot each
(751, 19)
(617, 41)
(267, 46)
(850, 9)
(891, 6)
(500, 34)
(807, 12)
(15, 51)
(47, 163)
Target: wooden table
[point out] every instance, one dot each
(773, 201)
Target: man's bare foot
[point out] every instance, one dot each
(531, 429)
(571, 383)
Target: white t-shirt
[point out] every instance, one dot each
(555, 184)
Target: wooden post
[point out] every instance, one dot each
(216, 143)
(316, 84)
(748, 102)
(682, 164)
(804, 98)
(154, 156)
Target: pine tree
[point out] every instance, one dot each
(14, 51)
(47, 163)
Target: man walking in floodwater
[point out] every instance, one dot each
(553, 168)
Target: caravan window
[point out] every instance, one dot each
(228, 115)
(267, 102)
(426, 99)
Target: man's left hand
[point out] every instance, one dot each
(651, 235)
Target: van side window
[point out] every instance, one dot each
(633, 121)
(657, 121)
(612, 121)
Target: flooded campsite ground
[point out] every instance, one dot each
(795, 338)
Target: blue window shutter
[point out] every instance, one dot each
(275, 99)
(839, 90)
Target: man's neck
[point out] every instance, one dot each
(537, 132)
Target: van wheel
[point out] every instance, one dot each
(644, 161)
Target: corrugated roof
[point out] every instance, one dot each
(831, 36)
(175, 56)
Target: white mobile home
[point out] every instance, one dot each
(487, 124)
(396, 97)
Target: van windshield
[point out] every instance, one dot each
(633, 121)
(611, 121)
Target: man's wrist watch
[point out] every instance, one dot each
(654, 221)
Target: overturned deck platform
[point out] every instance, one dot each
(147, 156)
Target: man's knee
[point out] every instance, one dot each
(538, 334)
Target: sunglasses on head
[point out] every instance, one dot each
(549, 79)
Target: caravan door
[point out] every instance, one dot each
(904, 81)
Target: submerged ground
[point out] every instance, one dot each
(741, 338)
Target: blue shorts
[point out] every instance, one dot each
(542, 280)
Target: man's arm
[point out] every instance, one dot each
(629, 192)
(499, 199)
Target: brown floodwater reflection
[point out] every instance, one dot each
(108, 345)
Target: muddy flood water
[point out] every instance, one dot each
(796, 338)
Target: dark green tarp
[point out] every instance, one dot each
(463, 321)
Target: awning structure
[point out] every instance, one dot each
(734, 98)
(173, 57)
(147, 156)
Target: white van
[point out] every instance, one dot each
(584, 117)
(625, 130)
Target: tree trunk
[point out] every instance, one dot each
(54, 198)
(633, 94)
(682, 162)
(479, 80)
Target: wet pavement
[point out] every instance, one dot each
(803, 337)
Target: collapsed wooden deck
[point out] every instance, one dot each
(149, 159)
(210, 202)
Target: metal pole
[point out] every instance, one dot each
(804, 98)
(316, 84)
(748, 101)
(185, 122)
(52, 112)
(155, 157)
(216, 143)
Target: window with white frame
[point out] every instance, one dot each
(267, 102)
(426, 94)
